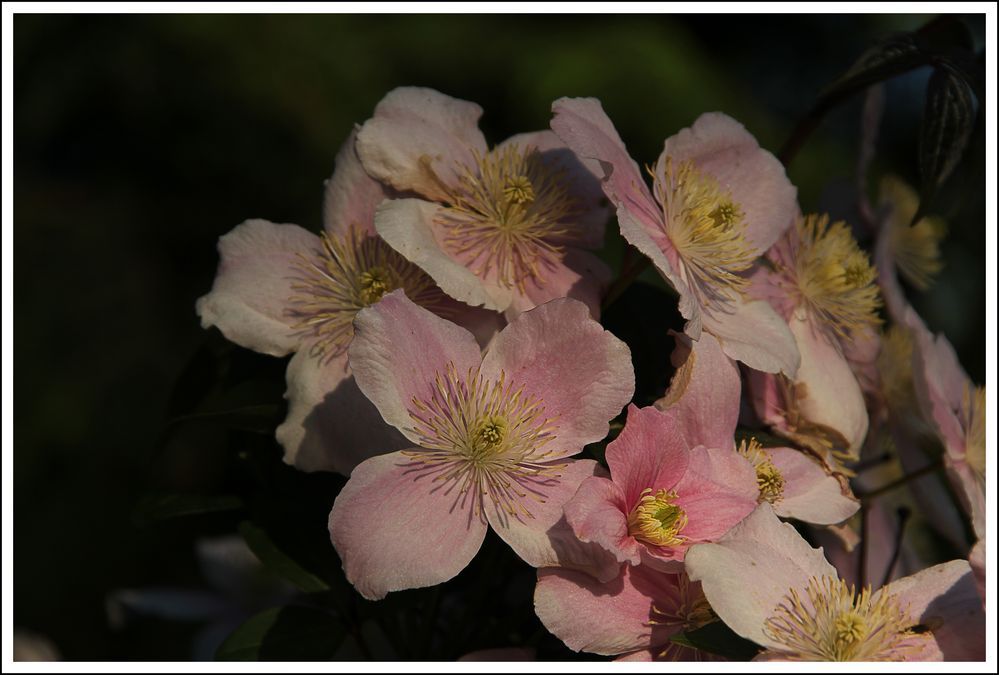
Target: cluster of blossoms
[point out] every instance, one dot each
(449, 359)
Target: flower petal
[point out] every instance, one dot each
(598, 514)
(945, 598)
(407, 225)
(747, 573)
(721, 147)
(331, 425)
(420, 140)
(351, 195)
(579, 275)
(580, 372)
(544, 539)
(395, 529)
(756, 335)
(717, 491)
(650, 452)
(604, 618)
(397, 352)
(810, 494)
(250, 295)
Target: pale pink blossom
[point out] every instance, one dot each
(633, 615)
(490, 439)
(667, 491)
(706, 392)
(718, 202)
(769, 586)
(281, 289)
(506, 228)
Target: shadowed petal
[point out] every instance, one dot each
(351, 195)
(756, 335)
(810, 494)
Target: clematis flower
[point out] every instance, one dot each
(706, 392)
(491, 436)
(769, 586)
(824, 285)
(282, 289)
(718, 202)
(633, 615)
(666, 491)
(506, 228)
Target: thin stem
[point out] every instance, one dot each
(860, 467)
(918, 473)
(903, 519)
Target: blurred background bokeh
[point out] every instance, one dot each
(139, 140)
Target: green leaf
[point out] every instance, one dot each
(278, 560)
(948, 120)
(291, 633)
(159, 507)
(717, 638)
(258, 418)
(890, 57)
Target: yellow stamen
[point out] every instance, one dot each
(519, 190)
(374, 283)
(895, 369)
(973, 407)
(657, 519)
(916, 248)
(769, 479)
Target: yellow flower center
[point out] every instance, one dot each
(657, 519)
(344, 276)
(915, 248)
(973, 405)
(834, 277)
(706, 228)
(895, 369)
(837, 624)
(769, 479)
(507, 217)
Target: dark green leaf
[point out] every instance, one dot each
(154, 508)
(276, 559)
(259, 418)
(893, 56)
(948, 121)
(717, 638)
(291, 633)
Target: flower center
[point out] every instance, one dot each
(506, 219)
(895, 369)
(834, 277)
(769, 479)
(915, 248)
(657, 519)
(346, 275)
(973, 405)
(706, 228)
(487, 437)
(834, 623)
(681, 607)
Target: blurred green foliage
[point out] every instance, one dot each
(141, 139)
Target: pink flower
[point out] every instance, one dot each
(489, 439)
(282, 289)
(634, 614)
(769, 586)
(718, 202)
(823, 284)
(705, 392)
(667, 491)
(505, 228)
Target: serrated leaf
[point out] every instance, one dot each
(948, 120)
(717, 638)
(275, 558)
(159, 507)
(291, 633)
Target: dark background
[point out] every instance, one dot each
(139, 140)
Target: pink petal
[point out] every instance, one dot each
(747, 573)
(650, 452)
(598, 514)
(721, 147)
(579, 275)
(976, 558)
(940, 384)
(581, 373)
(705, 391)
(609, 618)
(544, 539)
(970, 489)
(756, 335)
(331, 426)
(351, 194)
(945, 598)
(399, 349)
(717, 491)
(407, 225)
(395, 529)
(250, 297)
(810, 494)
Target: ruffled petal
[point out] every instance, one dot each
(810, 494)
(650, 452)
(395, 529)
(717, 491)
(398, 351)
(754, 334)
(581, 373)
(598, 514)
(249, 299)
(331, 426)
